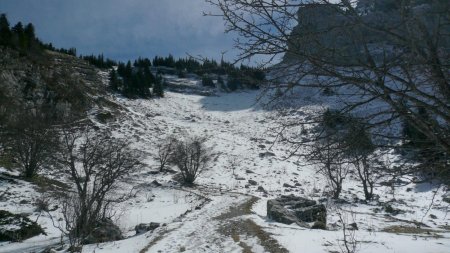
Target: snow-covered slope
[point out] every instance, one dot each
(241, 135)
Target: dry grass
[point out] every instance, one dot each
(398, 229)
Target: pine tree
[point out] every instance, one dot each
(5, 32)
(158, 87)
(29, 35)
(19, 36)
(113, 80)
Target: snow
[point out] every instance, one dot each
(240, 132)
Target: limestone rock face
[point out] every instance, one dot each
(292, 209)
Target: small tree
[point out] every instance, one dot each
(114, 81)
(158, 87)
(191, 156)
(165, 150)
(31, 140)
(359, 149)
(327, 154)
(5, 32)
(94, 164)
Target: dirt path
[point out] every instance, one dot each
(222, 225)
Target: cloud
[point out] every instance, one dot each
(125, 29)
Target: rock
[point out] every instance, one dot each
(280, 214)
(145, 227)
(16, 227)
(240, 178)
(319, 225)
(446, 197)
(261, 146)
(105, 231)
(252, 182)
(261, 189)
(287, 185)
(311, 213)
(156, 183)
(292, 209)
(266, 154)
(249, 171)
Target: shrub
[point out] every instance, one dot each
(191, 156)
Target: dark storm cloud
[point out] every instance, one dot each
(125, 29)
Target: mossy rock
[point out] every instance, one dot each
(17, 227)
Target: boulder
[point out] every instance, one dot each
(105, 231)
(286, 185)
(145, 227)
(156, 183)
(312, 213)
(266, 154)
(252, 182)
(261, 189)
(292, 209)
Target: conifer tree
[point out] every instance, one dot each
(113, 80)
(158, 88)
(29, 35)
(5, 32)
(19, 36)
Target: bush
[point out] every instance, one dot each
(191, 156)
(16, 227)
(165, 150)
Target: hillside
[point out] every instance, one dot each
(224, 212)
(61, 83)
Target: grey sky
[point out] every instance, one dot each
(125, 29)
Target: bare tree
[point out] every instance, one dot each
(191, 156)
(327, 155)
(31, 141)
(95, 164)
(165, 150)
(359, 150)
(385, 63)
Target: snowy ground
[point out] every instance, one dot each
(240, 136)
